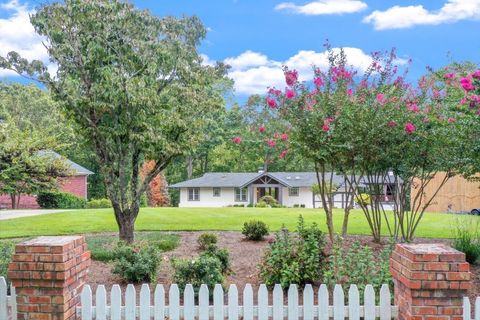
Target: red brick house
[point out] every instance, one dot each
(75, 184)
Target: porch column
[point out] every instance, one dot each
(280, 195)
(250, 194)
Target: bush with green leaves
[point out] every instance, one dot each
(136, 263)
(221, 254)
(467, 240)
(60, 200)
(357, 265)
(205, 269)
(261, 204)
(294, 258)
(7, 249)
(206, 239)
(255, 230)
(99, 203)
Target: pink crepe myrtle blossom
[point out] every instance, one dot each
(271, 143)
(326, 128)
(450, 75)
(283, 154)
(274, 92)
(290, 94)
(262, 129)
(476, 74)
(291, 77)
(426, 120)
(380, 98)
(318, 82)
(451, 120)
(413, 107)
(271, 103)
(392, 123)
(237, 140)
(466, 84)
(350, 92)
(409, 128)
(284, 137)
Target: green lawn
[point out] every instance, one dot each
(433, 225)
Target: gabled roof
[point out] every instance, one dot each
(243, 179)
(77, 169)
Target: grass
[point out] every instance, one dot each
(102, 246)
(433, 225)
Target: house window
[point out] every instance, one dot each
(241, 194)
(193, 194)
(293, 192)
(216, 192)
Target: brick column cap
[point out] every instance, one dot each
(427, 252)
(50, 244)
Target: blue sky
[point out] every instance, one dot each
(258, 37)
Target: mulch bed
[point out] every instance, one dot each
(244, 257)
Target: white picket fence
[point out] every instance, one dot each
(467, 309)
(190, 310)
(8, 304)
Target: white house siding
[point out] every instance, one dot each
(305, 197)
(227, 198)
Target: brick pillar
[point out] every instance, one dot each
(48, 274)
(430, 281)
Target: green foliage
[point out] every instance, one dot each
(206, 239)
(136, 263)
(294, 259)
(99, 203)
(7, 249)
(261, 204)
(102, 247)
(221, 254)
(205, 269)
(363, 199)
(357, 265)
(60, 200)
(255, 230)
(467, 241)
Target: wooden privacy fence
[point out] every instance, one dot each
(290, 309)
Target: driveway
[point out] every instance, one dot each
(20, 213)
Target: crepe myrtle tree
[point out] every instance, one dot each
(133, 83)
(367, 128)
(264, 136)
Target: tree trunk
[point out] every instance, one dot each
(331, 231)
(345, 221)
(14, 201)
(126, 222)
(189, 167)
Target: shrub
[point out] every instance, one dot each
(294, 259)
(102, 247)
(60, 200)
(136, 263)
(468, 242)
(255, 230)
(206, 239)
(357, 265)
(221, 254)
(363, 199)
(206, 269)
(99, 203)
(7, 249)
(261, 204)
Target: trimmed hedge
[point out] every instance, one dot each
(99, 203)
(60, 200)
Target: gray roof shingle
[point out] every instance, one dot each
(77, 169)
(242, 179)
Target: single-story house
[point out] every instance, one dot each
(220, 189)
(75, 184)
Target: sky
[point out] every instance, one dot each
(258, 37)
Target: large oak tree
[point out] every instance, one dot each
(133, 83)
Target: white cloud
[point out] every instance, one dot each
(254, 72)
(323, 7)
(17, 34)
(398, 17)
